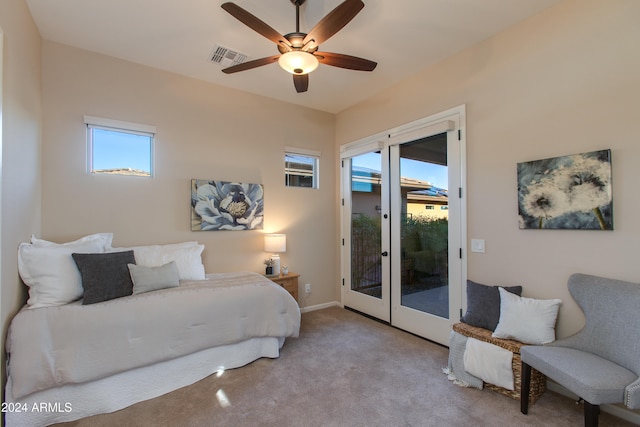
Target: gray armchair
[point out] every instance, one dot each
(600, 363)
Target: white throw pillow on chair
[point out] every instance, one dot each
(528, 320)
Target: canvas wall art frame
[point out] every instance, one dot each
(224, 205)
(568, 192)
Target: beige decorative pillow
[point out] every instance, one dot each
(146, 279)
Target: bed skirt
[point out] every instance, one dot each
(74, 401)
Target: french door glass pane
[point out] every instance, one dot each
(425, 225)
(366, 201)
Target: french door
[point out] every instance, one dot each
(403, 225)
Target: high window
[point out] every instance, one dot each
(301, 168)
(119, 148)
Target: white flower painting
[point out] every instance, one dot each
(568, 192)
(221, 205)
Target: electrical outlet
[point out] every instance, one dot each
(307, 288)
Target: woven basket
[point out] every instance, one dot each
(538, 381)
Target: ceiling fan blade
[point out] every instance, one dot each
(251, 64)
(345, 61)
(334, 21)
(254, 23)
(301, 82)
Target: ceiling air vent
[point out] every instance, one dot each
(226, 57)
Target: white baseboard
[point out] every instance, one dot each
(618, 411)
(320, 306)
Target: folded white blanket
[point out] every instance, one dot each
(489, 362)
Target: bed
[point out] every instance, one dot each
(73, 360)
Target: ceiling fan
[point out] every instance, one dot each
(299, 53)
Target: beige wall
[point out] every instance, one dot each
(559, 83)
(20, 142)
(563, 82)
(203, 131)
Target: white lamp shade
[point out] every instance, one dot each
(275, 243)
(298, 62)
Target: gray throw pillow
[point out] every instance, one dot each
(105, 276)
(483, 304)
(146, 279)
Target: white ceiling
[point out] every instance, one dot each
(403, 37)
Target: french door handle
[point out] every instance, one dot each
(385, 253)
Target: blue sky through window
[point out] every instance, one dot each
(121, 150)
(430, 172)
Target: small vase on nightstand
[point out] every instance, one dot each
(269, 270)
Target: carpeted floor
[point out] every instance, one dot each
(344, 370)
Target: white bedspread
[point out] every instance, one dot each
(71, 344)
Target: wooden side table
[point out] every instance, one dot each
(289, 282)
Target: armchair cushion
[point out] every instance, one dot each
(591, 377)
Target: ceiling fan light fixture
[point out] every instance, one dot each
(298, 62)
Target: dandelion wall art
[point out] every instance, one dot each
(221, 205)
(568, 192)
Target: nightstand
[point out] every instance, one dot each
(289, 282)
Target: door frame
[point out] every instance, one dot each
(377, 307)
(450, 121)
(412, 320)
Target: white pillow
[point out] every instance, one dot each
(187, 257)
(103, 239)
(146, 279)
(50, 272)
(528, 320)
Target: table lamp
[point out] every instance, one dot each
(275, 243)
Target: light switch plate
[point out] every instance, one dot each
(477, 245)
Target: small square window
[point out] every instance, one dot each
(301, 170)
(121, 150)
